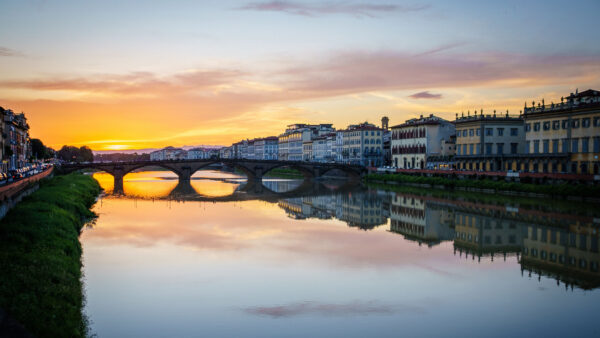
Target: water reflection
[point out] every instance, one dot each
(286, 250)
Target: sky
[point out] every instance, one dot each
(147, 74)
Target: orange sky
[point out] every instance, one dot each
(147, 80)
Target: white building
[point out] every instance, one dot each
(266, 148)
(417, 143)
(363, 145)
(291, 146)
(167, 154)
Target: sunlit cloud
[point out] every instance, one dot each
(349, 8)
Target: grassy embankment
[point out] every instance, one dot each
(40, 257)
(565, 189)
(284, 173)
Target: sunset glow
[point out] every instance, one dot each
(218, 71)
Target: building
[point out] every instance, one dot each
(168, 154)
(15, 138)
(489, 142)
(266, 148)
(307, 152)
(202, 153)
(387, 141)
(226, 152)
(422, 143)
(323, 148)
(339, 146)
(290, 143)
(563, 137)
(363, 145)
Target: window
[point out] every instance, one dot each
(471, 132)
(536, 126)
(527, 127)
(489, 132)
(596, 121)
(471, 149)
(500, 148)
(565, 124)
(556, 125)
(555, 146)
(527, 145)
(565, 145)
(464, 133)
(597, 144)
(575, 123)
(536, 147)
(464, 149)
(585, 122)
(458, 150)
(546, 144)
(547, 125)
(514, 131)
(477, 132)
(488, 148)
(500, 131)
(585, 145)
(575, 145)
(514, 148)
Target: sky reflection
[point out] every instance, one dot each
(324, 265)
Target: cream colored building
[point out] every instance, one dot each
(489, 142)
(564, 137)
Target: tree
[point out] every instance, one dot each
(74, 154)
(39, 150)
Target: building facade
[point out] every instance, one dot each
(363, 145)
(422, 143)
(266, 148)
(489, 142)
(564, 137)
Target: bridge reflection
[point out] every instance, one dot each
(547, 238)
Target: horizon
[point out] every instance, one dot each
(122, 76)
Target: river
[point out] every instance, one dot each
(333, 259)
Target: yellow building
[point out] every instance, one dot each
(564, 137)
(489, 142)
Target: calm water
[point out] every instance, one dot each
(221, 259)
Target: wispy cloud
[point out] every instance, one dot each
(356, 308)
(426, 95)
(145, 83)
(4, 51)
(349, 8)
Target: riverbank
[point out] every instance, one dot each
(40, 279)
(490, 186)
(284, 173)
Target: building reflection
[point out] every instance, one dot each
(420, 220)
(561, 245)
(361, 209)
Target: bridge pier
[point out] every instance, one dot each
(185, 174)
(118, 183)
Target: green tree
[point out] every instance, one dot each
(39, 150)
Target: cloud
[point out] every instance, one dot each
(356, 308)
(144, 83)
(426, 95)
(354, 9)
(4, 51)
(364, 71)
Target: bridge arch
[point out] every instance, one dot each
(349, 171)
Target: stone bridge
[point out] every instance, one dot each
(254, 169)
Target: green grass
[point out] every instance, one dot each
(284, 173)
(565, 189)
(40, 257)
